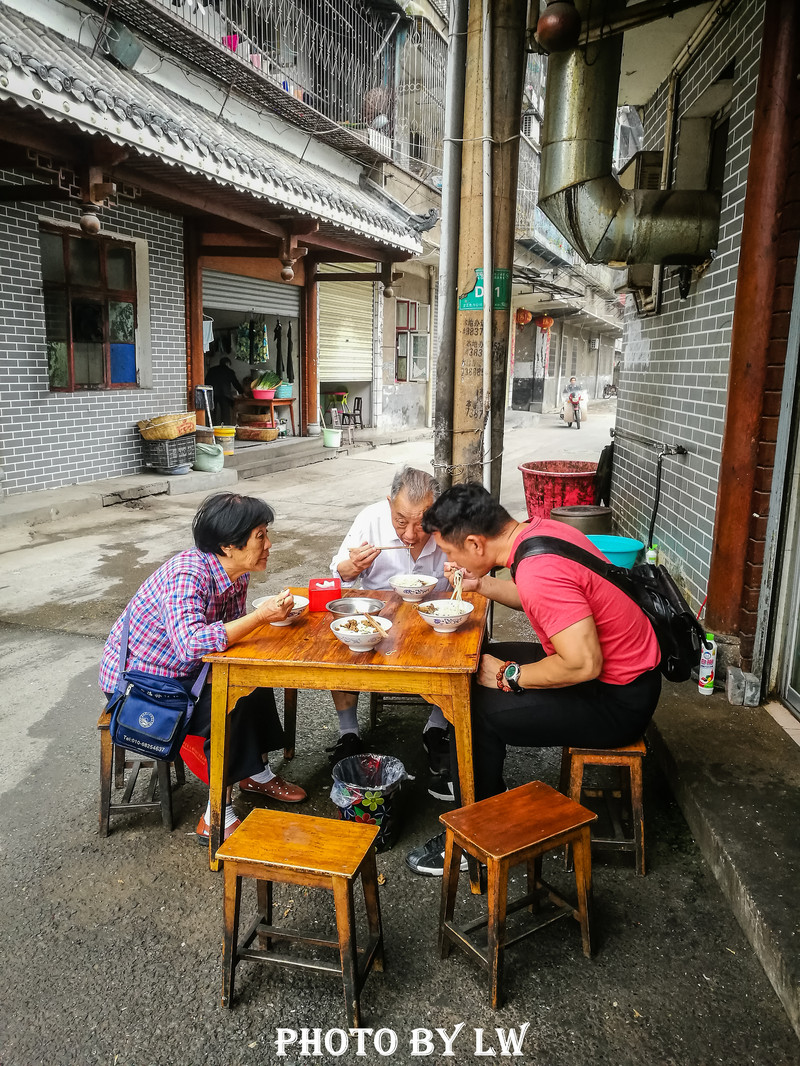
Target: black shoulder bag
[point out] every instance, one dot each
(680, 636)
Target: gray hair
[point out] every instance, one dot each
(418, 485)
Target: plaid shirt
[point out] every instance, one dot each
(177, 617)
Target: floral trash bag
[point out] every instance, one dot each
(365, 789)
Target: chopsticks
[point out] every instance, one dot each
(390, 547)
(368, 618)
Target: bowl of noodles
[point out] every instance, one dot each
(445, 616)
(412, 587)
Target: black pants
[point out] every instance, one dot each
(255, 728)
(592, 714)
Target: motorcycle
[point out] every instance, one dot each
(574, 409)
(609, 390)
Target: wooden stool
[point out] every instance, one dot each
(115, 761)
(502, 831)
(273, 846)
(573, 762)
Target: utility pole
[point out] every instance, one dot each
(492, 110)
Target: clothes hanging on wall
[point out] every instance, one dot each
(279, 349)
(289, 363)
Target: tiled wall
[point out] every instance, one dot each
(673, 385)
(48, 439)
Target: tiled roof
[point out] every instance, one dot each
(62, 80)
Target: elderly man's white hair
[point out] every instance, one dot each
(418, 485)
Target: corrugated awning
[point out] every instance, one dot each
(178, 139)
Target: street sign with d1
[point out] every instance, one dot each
(501, 300)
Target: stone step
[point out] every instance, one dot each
(271, 464)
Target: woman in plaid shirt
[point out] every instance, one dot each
(195, 604)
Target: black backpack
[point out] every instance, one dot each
(680, 636)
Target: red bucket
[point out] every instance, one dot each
(557, 483)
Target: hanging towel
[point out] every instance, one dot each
(278, 334)
(208, 333)
(289, 363)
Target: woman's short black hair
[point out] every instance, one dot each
(463, 510)
(229, 518)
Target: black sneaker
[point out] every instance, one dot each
(428, 858)
(437, 745)
(347, 745)
(440, 786)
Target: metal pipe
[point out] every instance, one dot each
(577, 190)
(448, 248)
(488, 257)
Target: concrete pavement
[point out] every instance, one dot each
(111, 947)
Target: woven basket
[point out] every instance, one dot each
(168, 427)
(263, 433)
(253, 419)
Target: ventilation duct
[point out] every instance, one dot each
(578, 192)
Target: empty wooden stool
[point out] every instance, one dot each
(296, 849)
(573, 763)
(114, 761)
(503, 831)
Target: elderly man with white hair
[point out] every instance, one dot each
(395, 522)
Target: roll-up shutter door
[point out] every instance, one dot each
(233, 292)
(345, 325)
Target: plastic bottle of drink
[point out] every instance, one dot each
(708, 659)
(651, 555)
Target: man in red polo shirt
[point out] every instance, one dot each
(592, 681)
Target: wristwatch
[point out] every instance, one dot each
(508, 678)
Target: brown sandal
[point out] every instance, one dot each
(275, 789)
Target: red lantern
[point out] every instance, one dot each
(544, 322)
(523, 316)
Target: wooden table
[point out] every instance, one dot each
(247, 401)
(411, 659)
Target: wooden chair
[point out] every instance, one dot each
(518, 826)
(573, 763)
(276, 846)
(353, 418)
(114, 762)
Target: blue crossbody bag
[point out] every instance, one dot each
(150, 715)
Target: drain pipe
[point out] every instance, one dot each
(577, 190)
(488, 257)
(448, 250)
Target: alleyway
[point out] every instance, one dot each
(111, 947)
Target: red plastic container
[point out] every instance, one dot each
(264, 394)
(557, 483)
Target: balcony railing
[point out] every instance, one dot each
(328, 68)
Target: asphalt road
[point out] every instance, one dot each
(111, 947)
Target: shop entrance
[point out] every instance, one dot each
(251, 328)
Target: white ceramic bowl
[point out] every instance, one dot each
(412, 587)
(359, 641)
(300, 607)
(446, 623)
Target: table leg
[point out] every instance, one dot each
(291, 418)
(289, 722)
(220, 725)
(456, 709)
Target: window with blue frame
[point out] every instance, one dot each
(89, 286)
